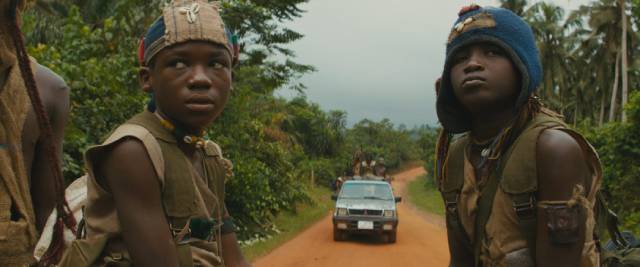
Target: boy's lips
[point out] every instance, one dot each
(473, 81)
(200, 104)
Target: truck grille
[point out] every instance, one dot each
(365, 212)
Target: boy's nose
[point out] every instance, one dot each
(474, 63)
(199, 80)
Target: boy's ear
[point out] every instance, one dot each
(144, 78)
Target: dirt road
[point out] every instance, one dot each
(422, 241)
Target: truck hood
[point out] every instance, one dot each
(369, 204)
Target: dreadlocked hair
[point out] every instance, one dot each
(506, 137)
(64, 214)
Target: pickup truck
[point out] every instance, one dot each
(365, 206)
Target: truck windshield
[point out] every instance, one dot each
(366, 191)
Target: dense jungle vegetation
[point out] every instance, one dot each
(278, 146)
(281, 146)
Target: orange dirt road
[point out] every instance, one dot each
(421, 241)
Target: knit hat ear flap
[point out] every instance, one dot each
(502, 28)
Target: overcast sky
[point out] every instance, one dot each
(378, 58)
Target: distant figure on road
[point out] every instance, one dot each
(519, 186)
(366, 166)
(380, 170)
(357, 158)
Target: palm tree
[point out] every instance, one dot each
(546, 21)
(625, 67)
(605, 20)
(517, 6)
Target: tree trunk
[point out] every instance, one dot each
(625, 77)
(614, 91)
(575, 114)
(601, 118)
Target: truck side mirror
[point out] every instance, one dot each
(398, 199)
(334, 197)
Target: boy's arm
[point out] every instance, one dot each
(561, 167)
(54, 94)
(231, 251)
(131, 178)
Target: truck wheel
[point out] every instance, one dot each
(391, 237)
(339, 235)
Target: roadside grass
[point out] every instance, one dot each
(291, 224)
(425, 196)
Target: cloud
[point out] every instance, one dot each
(377, 58)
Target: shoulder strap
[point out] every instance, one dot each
(450, 187)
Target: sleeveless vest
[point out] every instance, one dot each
(17, 218)
(186, 197)
(508, 229)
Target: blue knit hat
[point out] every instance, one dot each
(494, 25)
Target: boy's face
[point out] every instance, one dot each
(191, 82)
(484, 78)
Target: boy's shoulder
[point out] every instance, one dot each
(128, 143)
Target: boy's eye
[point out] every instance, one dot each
(218, 64)
(178, 64)
(460, 57)
(494, 51)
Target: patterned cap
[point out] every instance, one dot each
(183, 21)
(503, 28)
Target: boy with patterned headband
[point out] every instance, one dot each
(156, 185)
(519, 186)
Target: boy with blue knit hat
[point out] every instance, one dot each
(155, 187)
(518, 185)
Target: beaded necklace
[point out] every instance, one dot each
(180, 134)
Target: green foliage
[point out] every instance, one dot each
(380, 139)
(276, 145)
(101, 71)
(427, 139)
(619, 150)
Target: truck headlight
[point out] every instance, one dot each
(388, 213)
(341, 212)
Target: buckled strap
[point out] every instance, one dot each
(180, 231)
(451, 203)
(524, 206)
(202, 229)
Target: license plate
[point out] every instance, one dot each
(365, 225)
